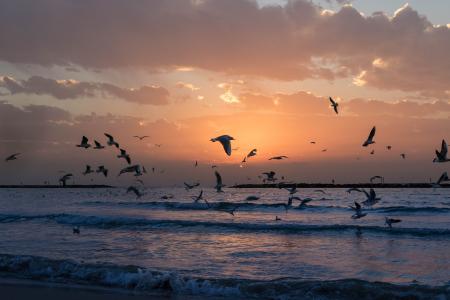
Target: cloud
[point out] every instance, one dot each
(72, 89)
(291, 42)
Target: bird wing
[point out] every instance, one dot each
(372, 193)
(444, 149)
(84, 140)
(97, 144)
(123, 152)
(371, 134)
(332, 101)
(226, 146)
(128, 159)
(110, 137)
(218, 178)
(443, 177)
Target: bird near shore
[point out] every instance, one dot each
(198, 198)
(376, 177)
(103, 170)
(278, 157)
(358, 211)
(370, 140)
(63, 179)
(188, 186)
(270, 176)
(225, 140)
(334, 105)
(444, 177)
(441, 156)
(98, 146)
(123, 154)
(135, 190)
(219, 183)
(111, 141)
(371, 198)
(12, 157)
(130, 169)
(88, 170)
(389, 221)
(84, 143)
(76, 230)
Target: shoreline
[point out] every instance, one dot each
(42, 186)
(337, 186)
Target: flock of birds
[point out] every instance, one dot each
(225, 140)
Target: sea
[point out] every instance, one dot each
(266, 250)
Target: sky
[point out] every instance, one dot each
(183, 72)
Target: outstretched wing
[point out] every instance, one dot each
(218, 178)
(110, 137)
(444, 149)
(226, 146)
(84, 140)
(371, 134)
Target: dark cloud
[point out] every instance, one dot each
(291, 42)
(70, 89)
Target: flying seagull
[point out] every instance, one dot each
(403, 155)
(358, 211)
(141, 137)
(135, 191)
(66, 177)
(441, 156)
(196, 164)
(252, 153)
(370, 138)
(190, 186)
(278, 157)
(102, 169)
(389, 221)
(125, 155)
(312, 142)
(98, 145)
(389, 147)
(84, 143)
(372, 152)
(219, 184)
(198, 198)
(134, 168)
(225, 140)
(443, 178)
(334, 105)
(371, 198)
(270, 176)
(111, 141)
(88, 170)
(12, 157)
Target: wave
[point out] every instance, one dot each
(146, 280)
(262, 206)
(111, 222)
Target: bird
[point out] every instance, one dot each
(225, 140)
(134, 168)
(231, 210)
(252, 198)
(442, 178)
(371, 198)
(334, 104)
(125, 155)
(312, 142)
(12, 157)
(278, 157)
(270, 176)
(64, 178)
(324, 150)
(213, 166)
(135, 191)
(76, 230)
(252, 153)
(291, 190)
(98, 145)
(88, 170)
(190, 186)
(389, 221)
(198, 198)
(441, 156)
(219, 184)
(158, 145)
(169, 196)
(102, 169)
(111, 141)
(403, 155)
(84, 143)
(376, 177)
(196, 164)
(277, 218)
(372, 152)
(141, 137)
(370, 138)
(303, 202)
(358, 211)
(354, 189)
(389, 147)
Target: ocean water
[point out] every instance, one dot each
(180, 247)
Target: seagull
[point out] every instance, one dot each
(225, 140)
(312, 142)
(390, 221)
(442, 155)
(111, 141)
(252, 153)
(66, 177)
(84, 143)
(102, 169)
(370, 138)
(371, 198)
(278, 157)
(372, 152)
(196, 164)
(389, 147)
(198, 198)
(124, 154)
(219, 184)
(304, 202)
(252, 198)
(375, 177)
(270, 176)
(291, 190)
(403, 155)
(134, 190)
(213, 166)
(190, 186)
(12, 157)
(88, 170)
(358, 211)
(98, 145)
(141, 137)
(130, 169)
(444, 177)
(76, 230)
(334, 105)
